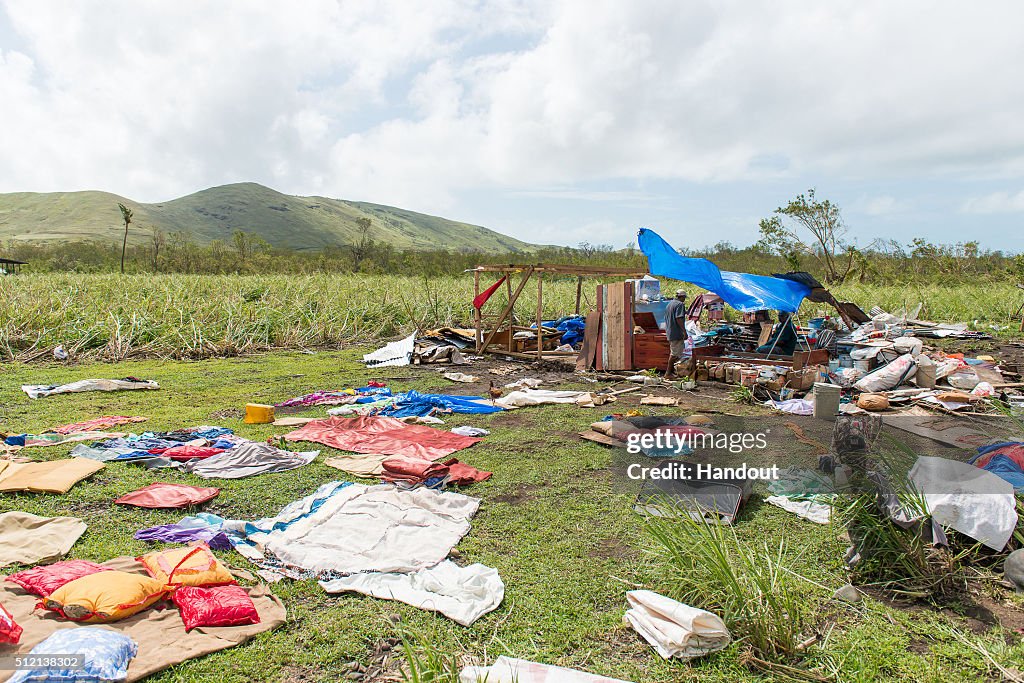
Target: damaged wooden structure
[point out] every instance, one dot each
(495, 332)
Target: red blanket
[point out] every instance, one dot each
(381, 436)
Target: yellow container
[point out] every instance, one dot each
(257, 413)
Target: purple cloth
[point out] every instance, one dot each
(174, 533)
(318, 398)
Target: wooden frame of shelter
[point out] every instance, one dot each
(489, 328)
(11, 266)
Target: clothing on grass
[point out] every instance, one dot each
(381, 435)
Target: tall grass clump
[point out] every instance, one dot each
(762, 602)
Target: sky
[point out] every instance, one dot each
(553, 121)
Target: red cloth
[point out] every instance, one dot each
(187, 452)
(463, 475)
(97, 424)
(161, 495)
(483, 296)
(378, 435)
(412, 470)
(1014, 452)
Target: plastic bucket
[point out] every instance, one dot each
(826, 400)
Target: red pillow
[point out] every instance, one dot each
(187, 452)
(10, 632)
(215, 606)
(44, 580)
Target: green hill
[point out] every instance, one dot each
(300, 223)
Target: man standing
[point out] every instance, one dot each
(675, 330)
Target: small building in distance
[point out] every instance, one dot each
(10, 266)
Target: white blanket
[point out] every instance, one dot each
(812, 511)
(536, 397)
(463, 594)
(510, 670)
(973, 501)
(41, 390)
(376, 528)
(675, 629)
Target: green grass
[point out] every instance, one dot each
(556, 521)
(115, 317)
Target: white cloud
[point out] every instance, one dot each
(996, 202)
(412, 104)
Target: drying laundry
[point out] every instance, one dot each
(411, 472)
(28, 539)
(812, 511)
(54, 476)
(361, 465)
(381, 435)
(126, 384)
(973, 501)
(1005, 460)
(394, 354)
(675, 629)
(248, 459)
(536, 397)
(511, 670)
(162, 495)
(54, 439)
(414, 404)
(365, 394)
(160, 633)
(470, 431)
(463, 594)
(203, 527)
(98, 424)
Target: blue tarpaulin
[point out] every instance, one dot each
(742, 291)
(413, 403)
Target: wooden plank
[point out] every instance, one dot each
(599, 352)
(627, 324)
(615, 341)
(540, 309)
(504, 313)
(563, 269)
(586, 358)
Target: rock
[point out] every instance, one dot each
(1013, 569)
(848, 593)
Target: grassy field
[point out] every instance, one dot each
(556, 521)
(115, 317)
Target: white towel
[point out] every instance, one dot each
(675, 629)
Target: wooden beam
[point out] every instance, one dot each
(564, 269)
(508, 308)
(540, 309)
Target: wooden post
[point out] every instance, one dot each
(540, 317)
(476, 311)
(508, 289)
(508, 308)
(579, 293)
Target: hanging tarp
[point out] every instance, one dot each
(742, 291)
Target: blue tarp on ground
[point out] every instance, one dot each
(414, 404)
(742, 291)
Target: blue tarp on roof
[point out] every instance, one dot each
(742, 291)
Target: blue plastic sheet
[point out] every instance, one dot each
(415, 404)
(742, 291)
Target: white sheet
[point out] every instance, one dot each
(395, 353)
(376, 528)
(536, 397)
(41, 390)
(971, 500)
(510, 670)
(463, 594)
(819, 513)
(675, 629)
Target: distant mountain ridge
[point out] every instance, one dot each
(285, 221)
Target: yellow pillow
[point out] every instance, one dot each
(191, 566)
(104, 596)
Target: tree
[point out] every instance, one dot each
(824, 221)
(159, 240)
(126, 216)
(364, 244)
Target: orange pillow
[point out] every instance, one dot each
(104, 596)
(194, 565)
